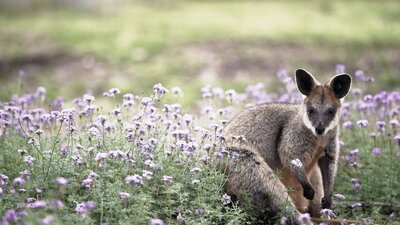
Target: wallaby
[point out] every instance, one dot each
(284, 156)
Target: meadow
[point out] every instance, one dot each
(114, 113)
(133, 45)
(148, 161)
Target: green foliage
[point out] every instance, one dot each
(149, 160)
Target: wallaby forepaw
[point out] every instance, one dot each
(326, 203)
(309, 192)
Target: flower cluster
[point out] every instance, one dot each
(149, 155)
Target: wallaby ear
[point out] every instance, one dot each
(340, 85)
(305, 81)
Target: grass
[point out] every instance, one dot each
(135, 45)
(142, 44)
(179, 150)
(153, 27)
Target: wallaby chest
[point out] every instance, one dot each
(316, 151)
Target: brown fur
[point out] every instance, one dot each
(262, 171)
(322, 91)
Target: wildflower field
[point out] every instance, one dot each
(125, 158)
(106, 118)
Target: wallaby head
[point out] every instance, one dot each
(321, 105)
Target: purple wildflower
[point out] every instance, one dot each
(380, 125)
(356, 184)
(94, 132)
(397, 138)
(180, 218)
(93, 175)
(58, 204)
(195, 170)
(134, 179)
(167, 179)
(116, 112)
(101, 156)
(147, 175)
(340, 68)
(128, 103)
(117, 154)
(159, 90)
(114, 91)
(88, 99)
(22, 152)
(48, 220)
(187, 119)
(359, 74)
(394, 123)
(124, 195)
(339, 196)
(41, 91)
(356, 91)
(146, 101)
(362, 123)
(195, 181)
(354, 164)
(128, 97)
(28, 118)
(226, 199)
(3, 179)
(77, 159)
(84, 207)
(87, 183)
(10, 216)
(61, 181)
(31, 200)
(284, 220)
(356, 205)
(327, 212)
(354, 154)
(230, 95)
(29, 160)
(216, 126)
(102, 119)
(25, 174)
(377, 152)
(296, 163)
(177, 91)
(176, 107)
(348, 124)
(39, 131)
(19, 181)
(40, 204)
(156, 222)
(64, 150)
(304, 218)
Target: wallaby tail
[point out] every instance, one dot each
(255, 186)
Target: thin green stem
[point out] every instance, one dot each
(34, 146)
(52, 151)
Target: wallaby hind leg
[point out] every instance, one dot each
(315, 178)
(256, 186)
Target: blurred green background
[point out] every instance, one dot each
(74, 47)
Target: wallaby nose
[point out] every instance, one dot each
(320, 130)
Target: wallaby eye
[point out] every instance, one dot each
(310, 111)
(331, 112)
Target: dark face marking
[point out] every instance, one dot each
(322, 106)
